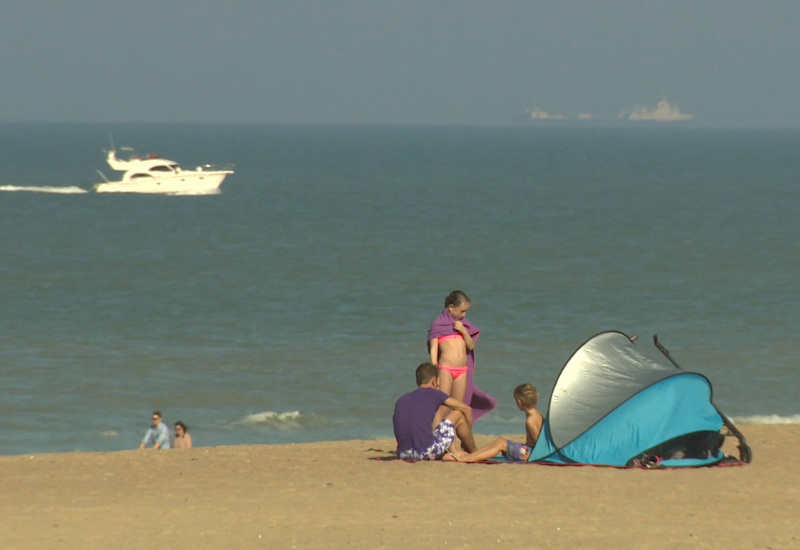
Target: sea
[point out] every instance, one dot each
(293, 305)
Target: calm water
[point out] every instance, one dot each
(294, 305)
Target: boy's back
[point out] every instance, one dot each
(533, 426)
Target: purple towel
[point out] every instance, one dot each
(480, 402)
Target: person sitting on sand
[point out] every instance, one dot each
(157, 434)
(526, 396)
(182, 438)
(417, 436)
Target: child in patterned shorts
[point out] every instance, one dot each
(526, 397)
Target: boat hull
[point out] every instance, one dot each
(206, 182)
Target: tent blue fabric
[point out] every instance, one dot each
(612, 406)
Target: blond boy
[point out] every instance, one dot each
(526, 397)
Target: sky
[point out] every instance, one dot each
(731, 63)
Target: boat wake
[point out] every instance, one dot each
(195, 193)
(74, 190)
(63, 190)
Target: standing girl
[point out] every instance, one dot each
(451, 343)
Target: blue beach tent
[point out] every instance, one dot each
(613, 406)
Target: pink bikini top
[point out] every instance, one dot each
(451, 336)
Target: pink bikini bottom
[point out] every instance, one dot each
(455, 372)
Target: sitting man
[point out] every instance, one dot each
(417, 437)
(157, 435)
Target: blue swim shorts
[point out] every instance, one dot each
(443, 436)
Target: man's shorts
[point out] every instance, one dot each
(517, 452)
(443, 436)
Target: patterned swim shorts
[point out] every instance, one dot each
(517, 452)
(443, 437)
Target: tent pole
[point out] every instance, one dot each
(745, 453)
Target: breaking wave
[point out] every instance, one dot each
(767, 419)
(292, 420)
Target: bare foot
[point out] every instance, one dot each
(454, 456)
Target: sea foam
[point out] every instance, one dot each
(767, 419)
(291, 420)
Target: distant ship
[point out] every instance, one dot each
(663, 112)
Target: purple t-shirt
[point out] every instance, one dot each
(413, 415)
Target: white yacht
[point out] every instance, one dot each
(153, 174)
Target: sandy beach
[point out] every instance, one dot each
(349, 494)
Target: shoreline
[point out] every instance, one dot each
(744, 420)
(346, 494)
